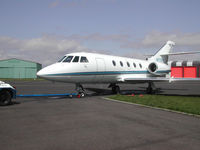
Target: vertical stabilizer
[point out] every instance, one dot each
(162, 54)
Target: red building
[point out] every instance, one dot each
(185, 69)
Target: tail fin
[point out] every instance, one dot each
(162, 54)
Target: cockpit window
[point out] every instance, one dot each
(76, 59)
(62, 59)
(84, 59)
(68, 59)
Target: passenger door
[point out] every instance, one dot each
(87, 68)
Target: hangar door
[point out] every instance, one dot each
(30, 73)
(19, 72)
(6, 72)
(177, 72)
(190, 72)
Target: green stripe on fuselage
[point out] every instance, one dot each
(105, 73)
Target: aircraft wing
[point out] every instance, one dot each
(158, 79)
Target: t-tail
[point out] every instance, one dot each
(163, 54)
(158, 63)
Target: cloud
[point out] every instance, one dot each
(69, 3)
(49, 48)
(157, 38)
(54, 4)
(74, 3)
(101, 37)
(151, 42)
(45, 50)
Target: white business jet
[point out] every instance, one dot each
(81, 67)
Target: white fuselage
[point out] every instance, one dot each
(99, 69)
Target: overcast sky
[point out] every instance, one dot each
(45, 30)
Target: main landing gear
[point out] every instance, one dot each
(80, 90)
(115, 88)
(151, 88)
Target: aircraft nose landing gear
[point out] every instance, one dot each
(80, 90)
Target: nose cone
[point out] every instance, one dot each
(44, 72)
(41, 73)
(48, 72)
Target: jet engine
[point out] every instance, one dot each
(152, 67)
(158, 69)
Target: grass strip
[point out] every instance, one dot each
(185, 104)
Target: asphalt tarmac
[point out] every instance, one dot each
(93, 123)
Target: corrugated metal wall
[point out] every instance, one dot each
(16, 68)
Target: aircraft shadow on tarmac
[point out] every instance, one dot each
(104, 92)
(158, 91)
(171, 89)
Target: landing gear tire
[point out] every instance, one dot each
(82, 94)
(116, 89)
(80, 90)
(5, 98)
(151, 88)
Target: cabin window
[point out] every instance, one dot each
(140, 65)
(134, 65)
(84, 59)
(114, 63)
(76, 59)
(68, 59)
(62, 59)
(121, 63)
(128, 64)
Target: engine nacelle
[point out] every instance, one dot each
(152, 67)
(158, 69)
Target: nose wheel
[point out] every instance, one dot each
(80, 90)
(81, 94)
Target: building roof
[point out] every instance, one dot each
(185, 63)
(20, 60)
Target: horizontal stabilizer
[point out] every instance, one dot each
(181, 53)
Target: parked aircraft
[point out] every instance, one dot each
(82, 67)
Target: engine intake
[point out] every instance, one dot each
(158, 69)
(152, 67)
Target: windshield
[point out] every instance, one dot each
(68, 59)
(84, 59)
(62, 59)
(76, 59)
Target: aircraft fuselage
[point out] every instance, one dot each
(98, 68)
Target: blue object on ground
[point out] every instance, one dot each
(48, 95)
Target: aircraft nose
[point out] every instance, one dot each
(46, 71)
(40, 73)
